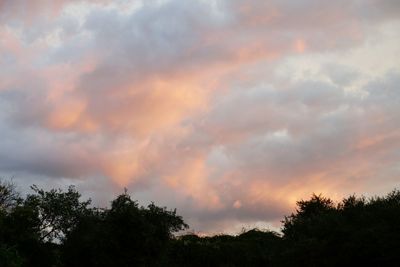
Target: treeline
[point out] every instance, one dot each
(56, 228)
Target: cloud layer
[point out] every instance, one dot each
(228, 110)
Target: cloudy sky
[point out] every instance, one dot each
(227, 110)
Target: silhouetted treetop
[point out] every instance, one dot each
(56, 228)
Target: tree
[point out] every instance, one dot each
(307, 212)
(9, 196)
(357, 231)
(56, 228)
(57, 211)
(124, 235)
(29, 226)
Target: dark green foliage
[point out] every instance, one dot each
(252, 248)
(125, 235)
(9, 197)
(56, 228)
(9, 256)
(357, 231)
(58, 212)
(28, 228)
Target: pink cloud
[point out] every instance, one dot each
(181, 102)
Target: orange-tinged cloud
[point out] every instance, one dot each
(122, 170)
(369, 142)
(149, 107)
(191, 180)
(9, 42)
(300, 45)
(65, 114)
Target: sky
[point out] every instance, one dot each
(229, 111)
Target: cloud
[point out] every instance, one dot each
(228, 110)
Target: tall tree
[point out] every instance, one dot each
(57, 211)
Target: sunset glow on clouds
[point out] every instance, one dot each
(229, 111)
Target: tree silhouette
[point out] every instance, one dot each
(356, 231)
(56, 228)
(124, 235)
(57, 211)
(9, 196)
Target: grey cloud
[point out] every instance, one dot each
(36, 152)
(160, 41)
(340, 74)
(295, 136)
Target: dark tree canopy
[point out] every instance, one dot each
(58, 212)
(124, 235)
(357, 231)
(9, 196)
(57, 228)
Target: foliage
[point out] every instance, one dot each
(251, 248)
(124, 235)
(9, 197)
(9, 256)
(56, 228)
(356, 231)
(58, 212)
